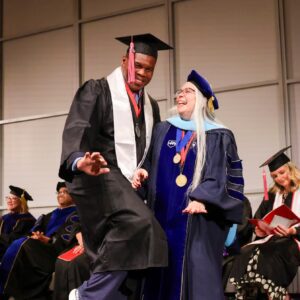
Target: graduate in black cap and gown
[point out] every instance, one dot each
(18, 221)
(107, 133)
(28, 263)
(196, 190)
(266, 267)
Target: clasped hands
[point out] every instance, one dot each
(37, 235)
(279, 230)
(93, 164)
(194, 207)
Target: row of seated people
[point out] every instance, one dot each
(27, 275)
(30, 247)
(34, 259)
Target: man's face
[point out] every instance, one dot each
(144, 68)
(64, 198)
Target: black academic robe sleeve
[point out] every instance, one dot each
(265, 207)
(81, 127)
(22, 228)
(156, 113)
(213, 189)
(244, 230)
(41, 223)
(65, 237)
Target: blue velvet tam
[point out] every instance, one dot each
(204, 87)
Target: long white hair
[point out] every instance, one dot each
(200, 115)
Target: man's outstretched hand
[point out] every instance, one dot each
(93, 164)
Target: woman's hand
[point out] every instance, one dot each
(93, 164)
(259, 232)
(195, 207)
(78, 249)
(140, 175)
(284, 231)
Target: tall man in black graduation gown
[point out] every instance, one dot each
(106, 126)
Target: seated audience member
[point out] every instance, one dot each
(267, 266)
(243, 236)
(28, 264)
(71, 271)
(18, 221)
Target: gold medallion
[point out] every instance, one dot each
(176, 158)
(181, 180)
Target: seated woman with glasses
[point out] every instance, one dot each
(33, 258)
(196, 191)
(18, 221)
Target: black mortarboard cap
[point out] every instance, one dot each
(19, 192)
(145, 43)
(59, 185)
(277, 160)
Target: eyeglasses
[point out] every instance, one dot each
(11, 198)
(186, 92)
(62, 192)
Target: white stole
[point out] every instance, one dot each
(295, 205)
(124, 136)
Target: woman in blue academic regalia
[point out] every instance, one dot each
(18, 221)
(196, 191)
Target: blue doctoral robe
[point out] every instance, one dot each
(50, 224)
(12, 227)
(195, 242)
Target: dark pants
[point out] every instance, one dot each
(103, 286)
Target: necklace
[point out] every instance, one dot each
(284, 195)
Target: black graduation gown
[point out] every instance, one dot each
(70, 275)
(119, 230)
(277, 261)
(12, 227)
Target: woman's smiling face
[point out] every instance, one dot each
(185, 100)
(282, 177)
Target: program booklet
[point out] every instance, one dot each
(69, 255)
(281, 215)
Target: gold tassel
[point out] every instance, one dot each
(210, 104)
(23, 199)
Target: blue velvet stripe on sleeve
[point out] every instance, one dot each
(234, 164)
(235, 194)
(235, 179)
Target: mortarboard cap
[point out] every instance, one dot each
(19, 192)
(59, 185)
(277, 160)
(145, 43)
(205, 88)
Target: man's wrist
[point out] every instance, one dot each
(74, 164)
